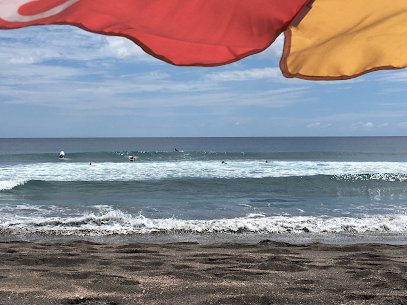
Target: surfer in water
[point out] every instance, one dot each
(132, 158)
(176, 149)
(61, 155)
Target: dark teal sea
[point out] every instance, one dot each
(288, 188)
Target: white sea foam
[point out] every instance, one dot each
(118, 222)
(10, 184)
(138, 171)
(376, 176)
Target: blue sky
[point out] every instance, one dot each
(60, 81)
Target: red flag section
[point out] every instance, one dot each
(182, 32)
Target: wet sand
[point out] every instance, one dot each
(187, 273)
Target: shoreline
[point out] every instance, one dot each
(215, 238)
(268, 272)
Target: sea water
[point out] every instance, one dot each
(295, 189)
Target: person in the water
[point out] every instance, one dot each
(176, 149)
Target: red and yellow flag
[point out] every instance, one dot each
(335, 39)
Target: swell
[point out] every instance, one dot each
(122, 156)
(324, 182)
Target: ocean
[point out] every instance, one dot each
(234, 189)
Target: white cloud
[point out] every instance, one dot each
(64, 67)
(275, 50)
(312, 125)
(363, 125)
(40, 44)
(393, 76)
(59, 87)
(120, 47)
(244, 75)
(318, 125)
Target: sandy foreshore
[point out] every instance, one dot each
(186, 273)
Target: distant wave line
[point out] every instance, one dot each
(108, 171)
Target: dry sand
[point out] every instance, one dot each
(264, 273)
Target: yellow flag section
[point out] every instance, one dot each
(342, 39)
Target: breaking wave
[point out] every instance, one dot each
(11, 176)
(117, 222)
(10, 184)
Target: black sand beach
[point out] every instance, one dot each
(187, 273)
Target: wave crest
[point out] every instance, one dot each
(9, 184)
(117, 222)
(372, 177)
(142, 171)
